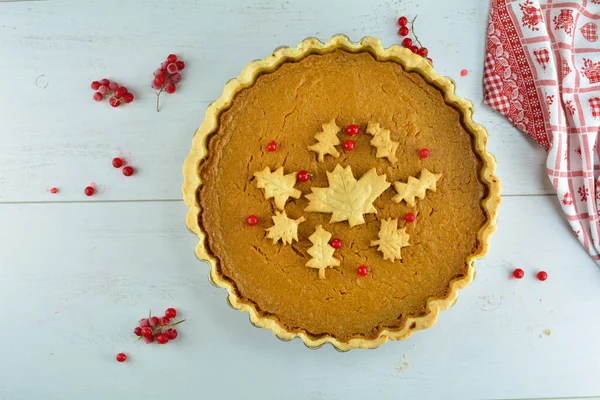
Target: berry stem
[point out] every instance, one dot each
(412, 28)
(158, 96)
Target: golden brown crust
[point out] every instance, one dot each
(410, 62)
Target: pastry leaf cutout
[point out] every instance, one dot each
(277, 186)
(346, 198)
(326, 141)
(386, 147)
(321, 252)
(415, 187)
(284, 228)
(391, 239)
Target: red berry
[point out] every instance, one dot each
(424, 153)
(128, 170)
(180, 65)
(172, 58)
(149, 339)
(170, 88)
(120, 92)
(103, 89)
(144, 323)
(117, 162)
(89, 191)
(114, 102)
(98, 96)
(137, 331)
(170, 312)
(352, 130)
(414, 49)
(407, 42)
(171, 333)
(54, 190)
(163, 66)
(159, 80)
(158, 71)
(176, 77)
(104, 82)
(464, 72)
(542, 275)
(430, 60)
(303, 176)
(403, 31)
(409, 217)
(423, 52)
(164, 321)
(402, 21)
(336, 243)
(113, 86)
(95, 85)
(121, 357)
(128, 97)
(518, 273)
(162, 338)
(252, 220)
(147, 332)
(172, 68)
(363, 270)
(153, 321)
(272, 146)
(349, 145)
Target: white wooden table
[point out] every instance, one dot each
(76, 273)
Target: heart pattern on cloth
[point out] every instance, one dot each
(542, 56)
(590, 32)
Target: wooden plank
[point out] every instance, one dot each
(53, 134)
(75, 278)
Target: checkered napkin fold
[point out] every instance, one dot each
(542, 71)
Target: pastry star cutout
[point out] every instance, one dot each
(277, 186)
(327, 140)
(284, 228)
(321, 252)
(386, 147)
(391, 239)
(415, 187)
(346, 198)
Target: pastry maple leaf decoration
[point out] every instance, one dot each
(386, 147)
(391, 239)
(346, 198)
(415, 187)
(327, 140)
(277, 186)
(321, 252)
(284, 228)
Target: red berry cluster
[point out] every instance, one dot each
(351, 130)
(167, 76)
(158, 329)
(118, 162)
(408, 42)
(519, 274)
(118, 94)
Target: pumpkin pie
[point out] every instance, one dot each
(341, 192)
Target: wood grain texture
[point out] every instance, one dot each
(76, 275)
(74, 284)
(53, 134)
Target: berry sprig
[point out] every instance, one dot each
(408, 42)
(167, 77)
(117, 94)
(158, 329)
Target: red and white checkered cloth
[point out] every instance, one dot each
(542, 71)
